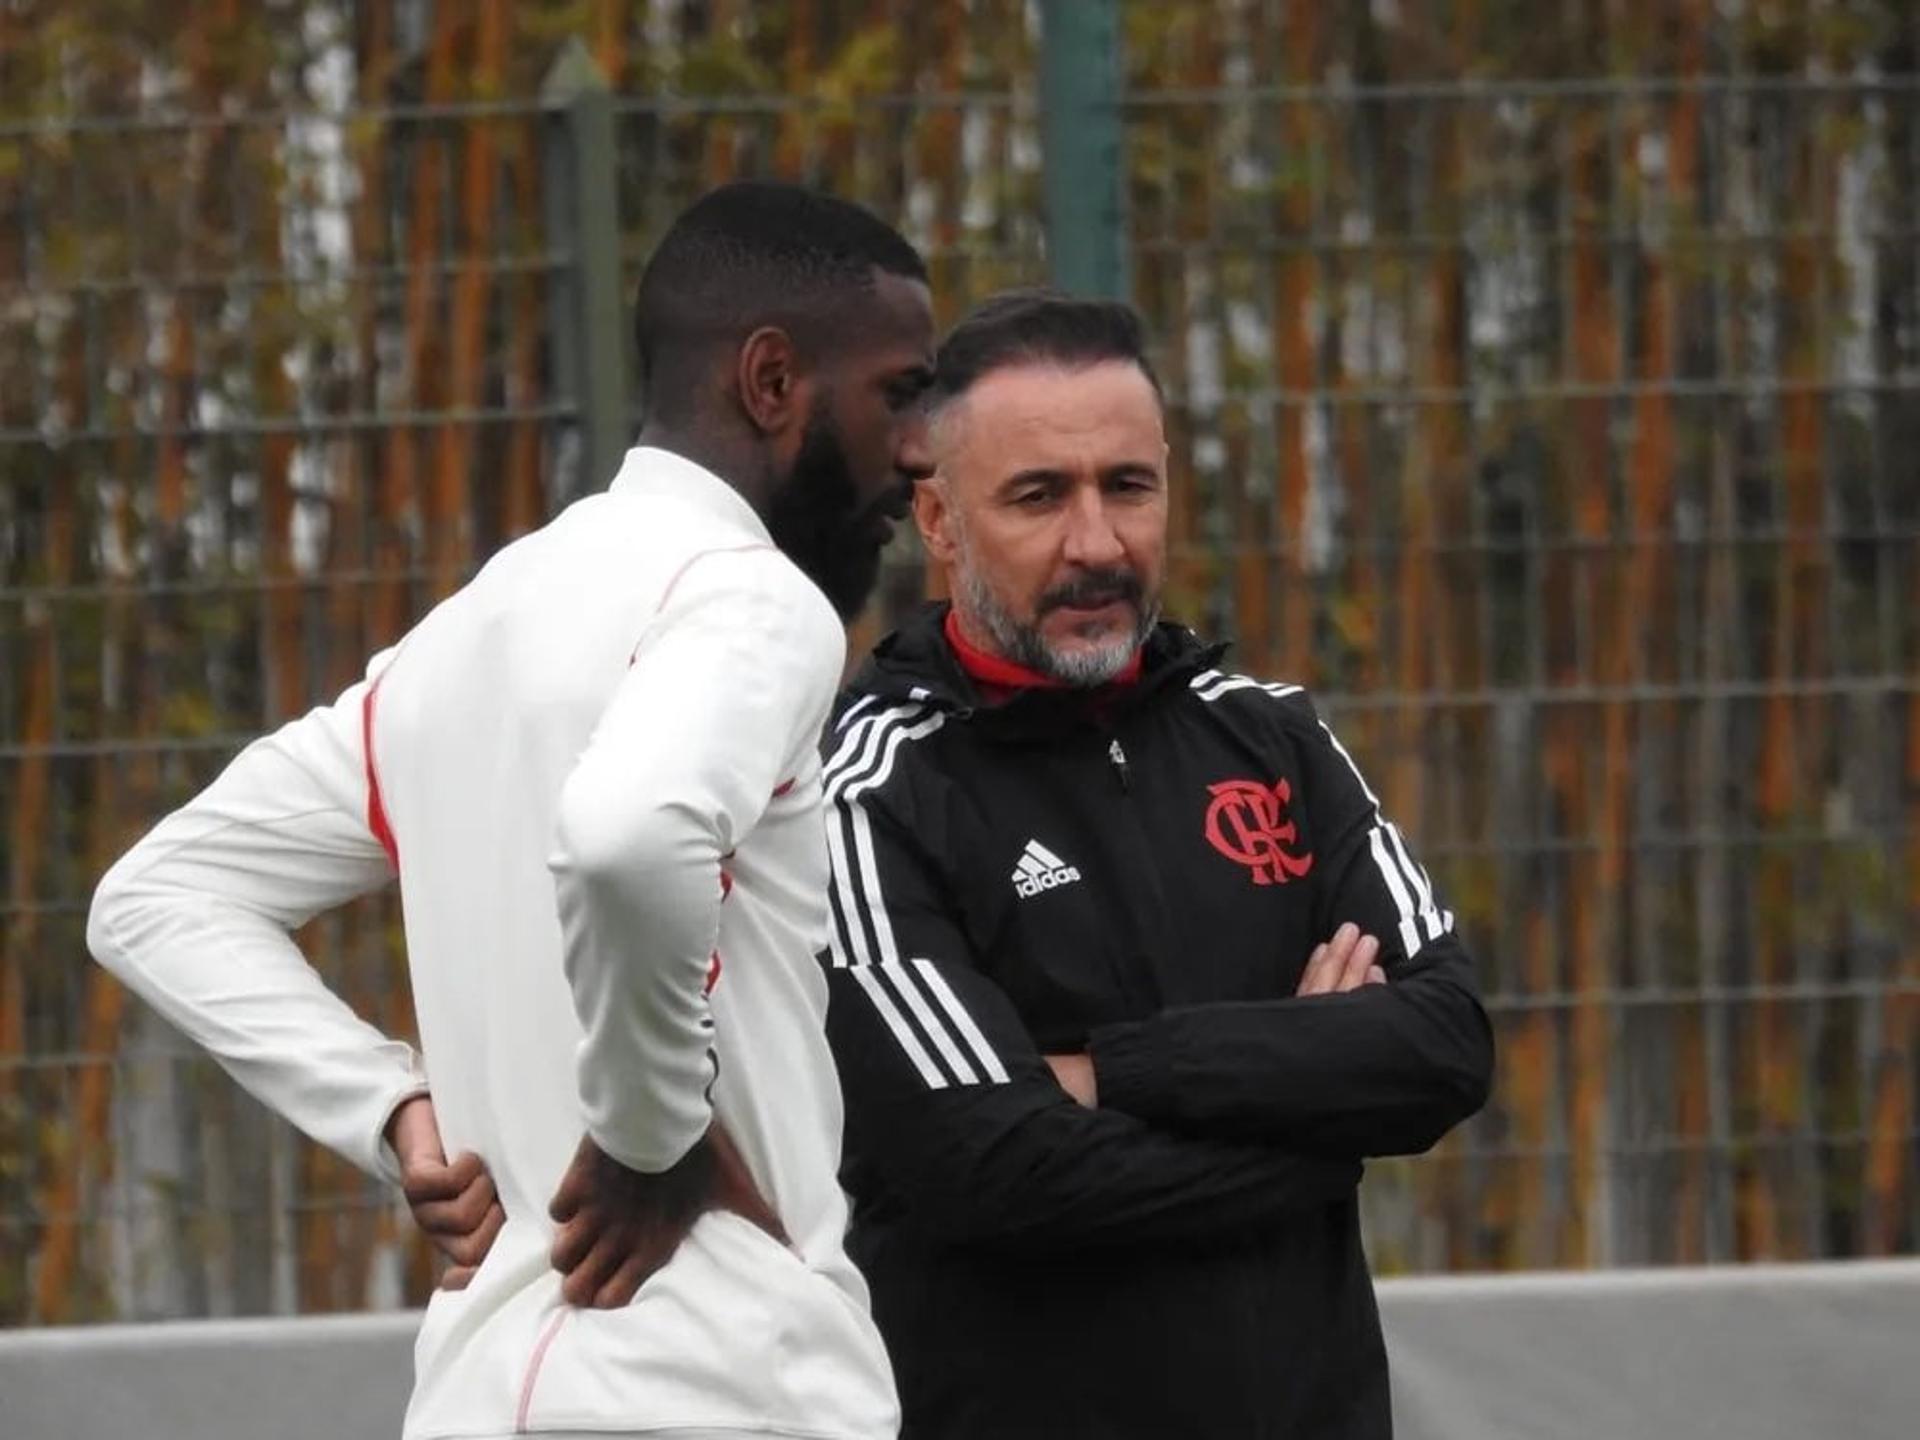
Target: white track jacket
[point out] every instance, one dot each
(594, 771)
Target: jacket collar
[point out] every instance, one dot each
(994, 675)
(916, 664)
(649, 470)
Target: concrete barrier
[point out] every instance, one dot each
(1765, 1352)
(1756, 1352)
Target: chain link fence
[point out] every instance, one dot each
(1545, 392)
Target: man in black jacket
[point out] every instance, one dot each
(1129, 972)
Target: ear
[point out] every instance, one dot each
(767, 380)
(933, 514)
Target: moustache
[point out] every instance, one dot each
(1093, 588)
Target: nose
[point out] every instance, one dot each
(1091, 540)
(912, 455)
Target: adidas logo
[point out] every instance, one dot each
(1040, 869)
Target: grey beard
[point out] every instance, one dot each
(1022, 643)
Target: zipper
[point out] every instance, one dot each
(1144, 939)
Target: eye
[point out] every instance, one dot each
(903, 392)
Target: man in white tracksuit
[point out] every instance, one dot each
(593, 771)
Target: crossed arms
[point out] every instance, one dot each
(1211, 1120)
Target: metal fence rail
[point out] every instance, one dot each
(1547, 397)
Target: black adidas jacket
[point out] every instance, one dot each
(1142, 875)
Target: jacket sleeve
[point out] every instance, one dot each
(952, 1115)
(1383, 1070)
(197, 917)
(722, 703)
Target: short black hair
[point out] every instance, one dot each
(753, 253)
(1037, 325)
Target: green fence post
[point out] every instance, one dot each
(1081, 134)
(583, 219)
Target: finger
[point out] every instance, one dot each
(472, 1247)
(425, 1181)
(1310, 975)
(578, 1287)
(580, 1283)
(1353, 973)
(625, 1282)
(467, 1169)
(568, 1197)
(461, 1215)
(1376, 976)
(617, 1267)
(1340, 953)
(573, 1243)
(1333, 959)
(458, 1277)
(1340, 948)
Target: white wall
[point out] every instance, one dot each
(1748, 1353)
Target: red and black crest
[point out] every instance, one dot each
(1248, 823)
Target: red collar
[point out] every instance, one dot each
(1000, 679)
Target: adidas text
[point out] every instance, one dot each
(1030, 885)
(1040, 869)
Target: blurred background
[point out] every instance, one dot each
(1545, 393)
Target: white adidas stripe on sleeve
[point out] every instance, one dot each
(1210, 685)
(1423, 886)
(937, 1030)
(963, 1021)
(1407, 882)
(1397, 885)
(866, 978)
(916, 1004)
(853, 712)
(868, 869)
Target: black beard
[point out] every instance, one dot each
(814, 519)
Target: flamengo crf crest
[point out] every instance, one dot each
(1248, 823)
